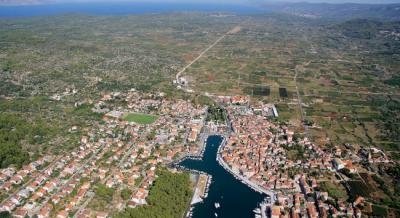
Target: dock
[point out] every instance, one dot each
(201, 190)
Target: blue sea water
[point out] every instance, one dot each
(121, 8)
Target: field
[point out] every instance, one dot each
(140, 118)
(339, 75)
(334, 190)
(345, 81)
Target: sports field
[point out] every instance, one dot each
(140, 118)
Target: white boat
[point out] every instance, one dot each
(257, 210)
(216, 215)
(217, 205)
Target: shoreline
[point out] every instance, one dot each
(239, 177)
(224, 165)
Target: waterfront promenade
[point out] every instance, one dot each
(243, 179)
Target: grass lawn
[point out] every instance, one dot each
(140, 118)
(334, 190)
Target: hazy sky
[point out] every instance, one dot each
(248, 1)
(204, 1)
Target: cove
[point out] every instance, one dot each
(236, 199)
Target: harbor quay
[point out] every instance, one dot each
(241, 178)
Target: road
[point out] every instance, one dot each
(296, 70)
(178, 75)
(83, 206)
(31, 180)
(65, 183)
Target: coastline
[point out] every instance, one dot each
(215, 147)
(239, 177)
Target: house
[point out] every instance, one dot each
(24, 193)
(7, 186)
(311, 210)
(102, 215)
(140, 197)
(62, 214)
(275, 211)
(45, 211)
(20, 213)
(17, 179)
(8, 206)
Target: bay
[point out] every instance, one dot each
(236, 199)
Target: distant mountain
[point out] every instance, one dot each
(369, 29)
(338, 11)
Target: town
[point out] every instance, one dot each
(273, 159)
(123, 153)
(117, 155)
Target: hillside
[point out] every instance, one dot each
(338, 11)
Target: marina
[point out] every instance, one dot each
(222, 197)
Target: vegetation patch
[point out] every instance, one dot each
(257, 91)
(168, 197)
(394, 81)
(336, 191)
(358, 188)
(103, 196)
(283, 92)
(140, 118)
(216, 114)
(379, 211)
(16, 132)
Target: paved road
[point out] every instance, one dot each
(31, 180)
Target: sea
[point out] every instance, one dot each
(235, 198)
(121, 8)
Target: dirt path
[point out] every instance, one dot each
(232, 31)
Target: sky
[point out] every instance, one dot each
(247, 1)
(254, 1)
(210, 1)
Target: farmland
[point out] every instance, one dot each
(334, 83)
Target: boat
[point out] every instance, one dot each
(217, 205)
(257, 211)
(216, 215)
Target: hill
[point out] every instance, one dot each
(338, 11)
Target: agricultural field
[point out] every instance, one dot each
(337, 75)
(346, 83)
(52, 70)
(334, 81)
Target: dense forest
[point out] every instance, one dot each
(14, 132)
(168, 198)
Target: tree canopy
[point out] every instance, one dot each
(168, 197)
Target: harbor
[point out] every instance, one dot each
(223, 193)
(201, 190)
